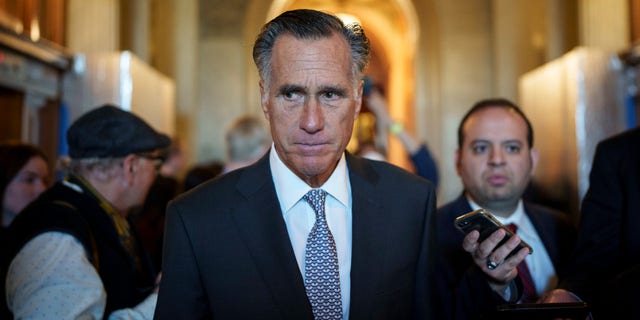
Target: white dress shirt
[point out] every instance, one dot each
(51, 278)
(539, 263)
(300, 217)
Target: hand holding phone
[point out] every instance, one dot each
(486, 224)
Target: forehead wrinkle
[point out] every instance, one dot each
(315, 66)
(311, 54)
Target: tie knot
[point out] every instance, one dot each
(512, 227)
(316, 198)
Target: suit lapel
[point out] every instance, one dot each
(461, 206)
(368, 237)
(263, 229)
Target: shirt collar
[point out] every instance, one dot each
(516, 217)
(290, 188)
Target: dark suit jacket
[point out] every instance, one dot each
(227, 253)
(462, 286)
(607, 258)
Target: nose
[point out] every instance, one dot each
(39, 186)
(496, 157)
(312, 117)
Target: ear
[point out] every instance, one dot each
(264, 99)
(129, 168)
(457, 159)
(359, 98)
(534, 159)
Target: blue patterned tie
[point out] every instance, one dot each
(322, 277)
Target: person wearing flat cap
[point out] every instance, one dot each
(72, 253)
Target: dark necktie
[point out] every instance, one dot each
(322, 276)
(529, 294)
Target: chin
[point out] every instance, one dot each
(313, 170)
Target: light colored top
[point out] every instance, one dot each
(539, 263)
(300, 217)
(52, 278)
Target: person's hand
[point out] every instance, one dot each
(491, 259)
(378, 106)
(560, 296)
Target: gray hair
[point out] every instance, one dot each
(103, 167)
(247, 138)
(310, 24)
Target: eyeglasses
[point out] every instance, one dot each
(157, 160)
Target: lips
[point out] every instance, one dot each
(311, 148)
(497, 179)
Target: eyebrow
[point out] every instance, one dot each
(501, 142)
(296, 88)
(339, 90)
(516, 141)
(291, 88)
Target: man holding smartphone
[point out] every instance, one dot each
(496, 160)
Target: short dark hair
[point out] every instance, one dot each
(13, 156)
(310, 24)
(495, 103)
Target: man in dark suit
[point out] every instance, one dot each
(242, 246)
(495, 161)
(605, 268)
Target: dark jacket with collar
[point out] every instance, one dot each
(606, 264)
(228, 254)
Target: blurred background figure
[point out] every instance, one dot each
(175, 160)
(366, 140)
(605, 266)
(424, 164)
(149, 218)
(24, 175)
(73, 253)
(247, 140)
(201, 173)
(496, 159)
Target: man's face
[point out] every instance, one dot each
(311, 102)
(495, 161)
(144, 171)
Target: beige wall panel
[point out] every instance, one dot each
(93, 26)
(465, 75)
(221, 77)
(567, 101)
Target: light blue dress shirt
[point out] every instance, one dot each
(300, 217)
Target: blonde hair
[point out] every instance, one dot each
(246, 139)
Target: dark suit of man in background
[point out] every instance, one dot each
(235, 247)
(495, 160)
(605, 269)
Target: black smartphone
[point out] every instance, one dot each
(486, 224)
(543, 311)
